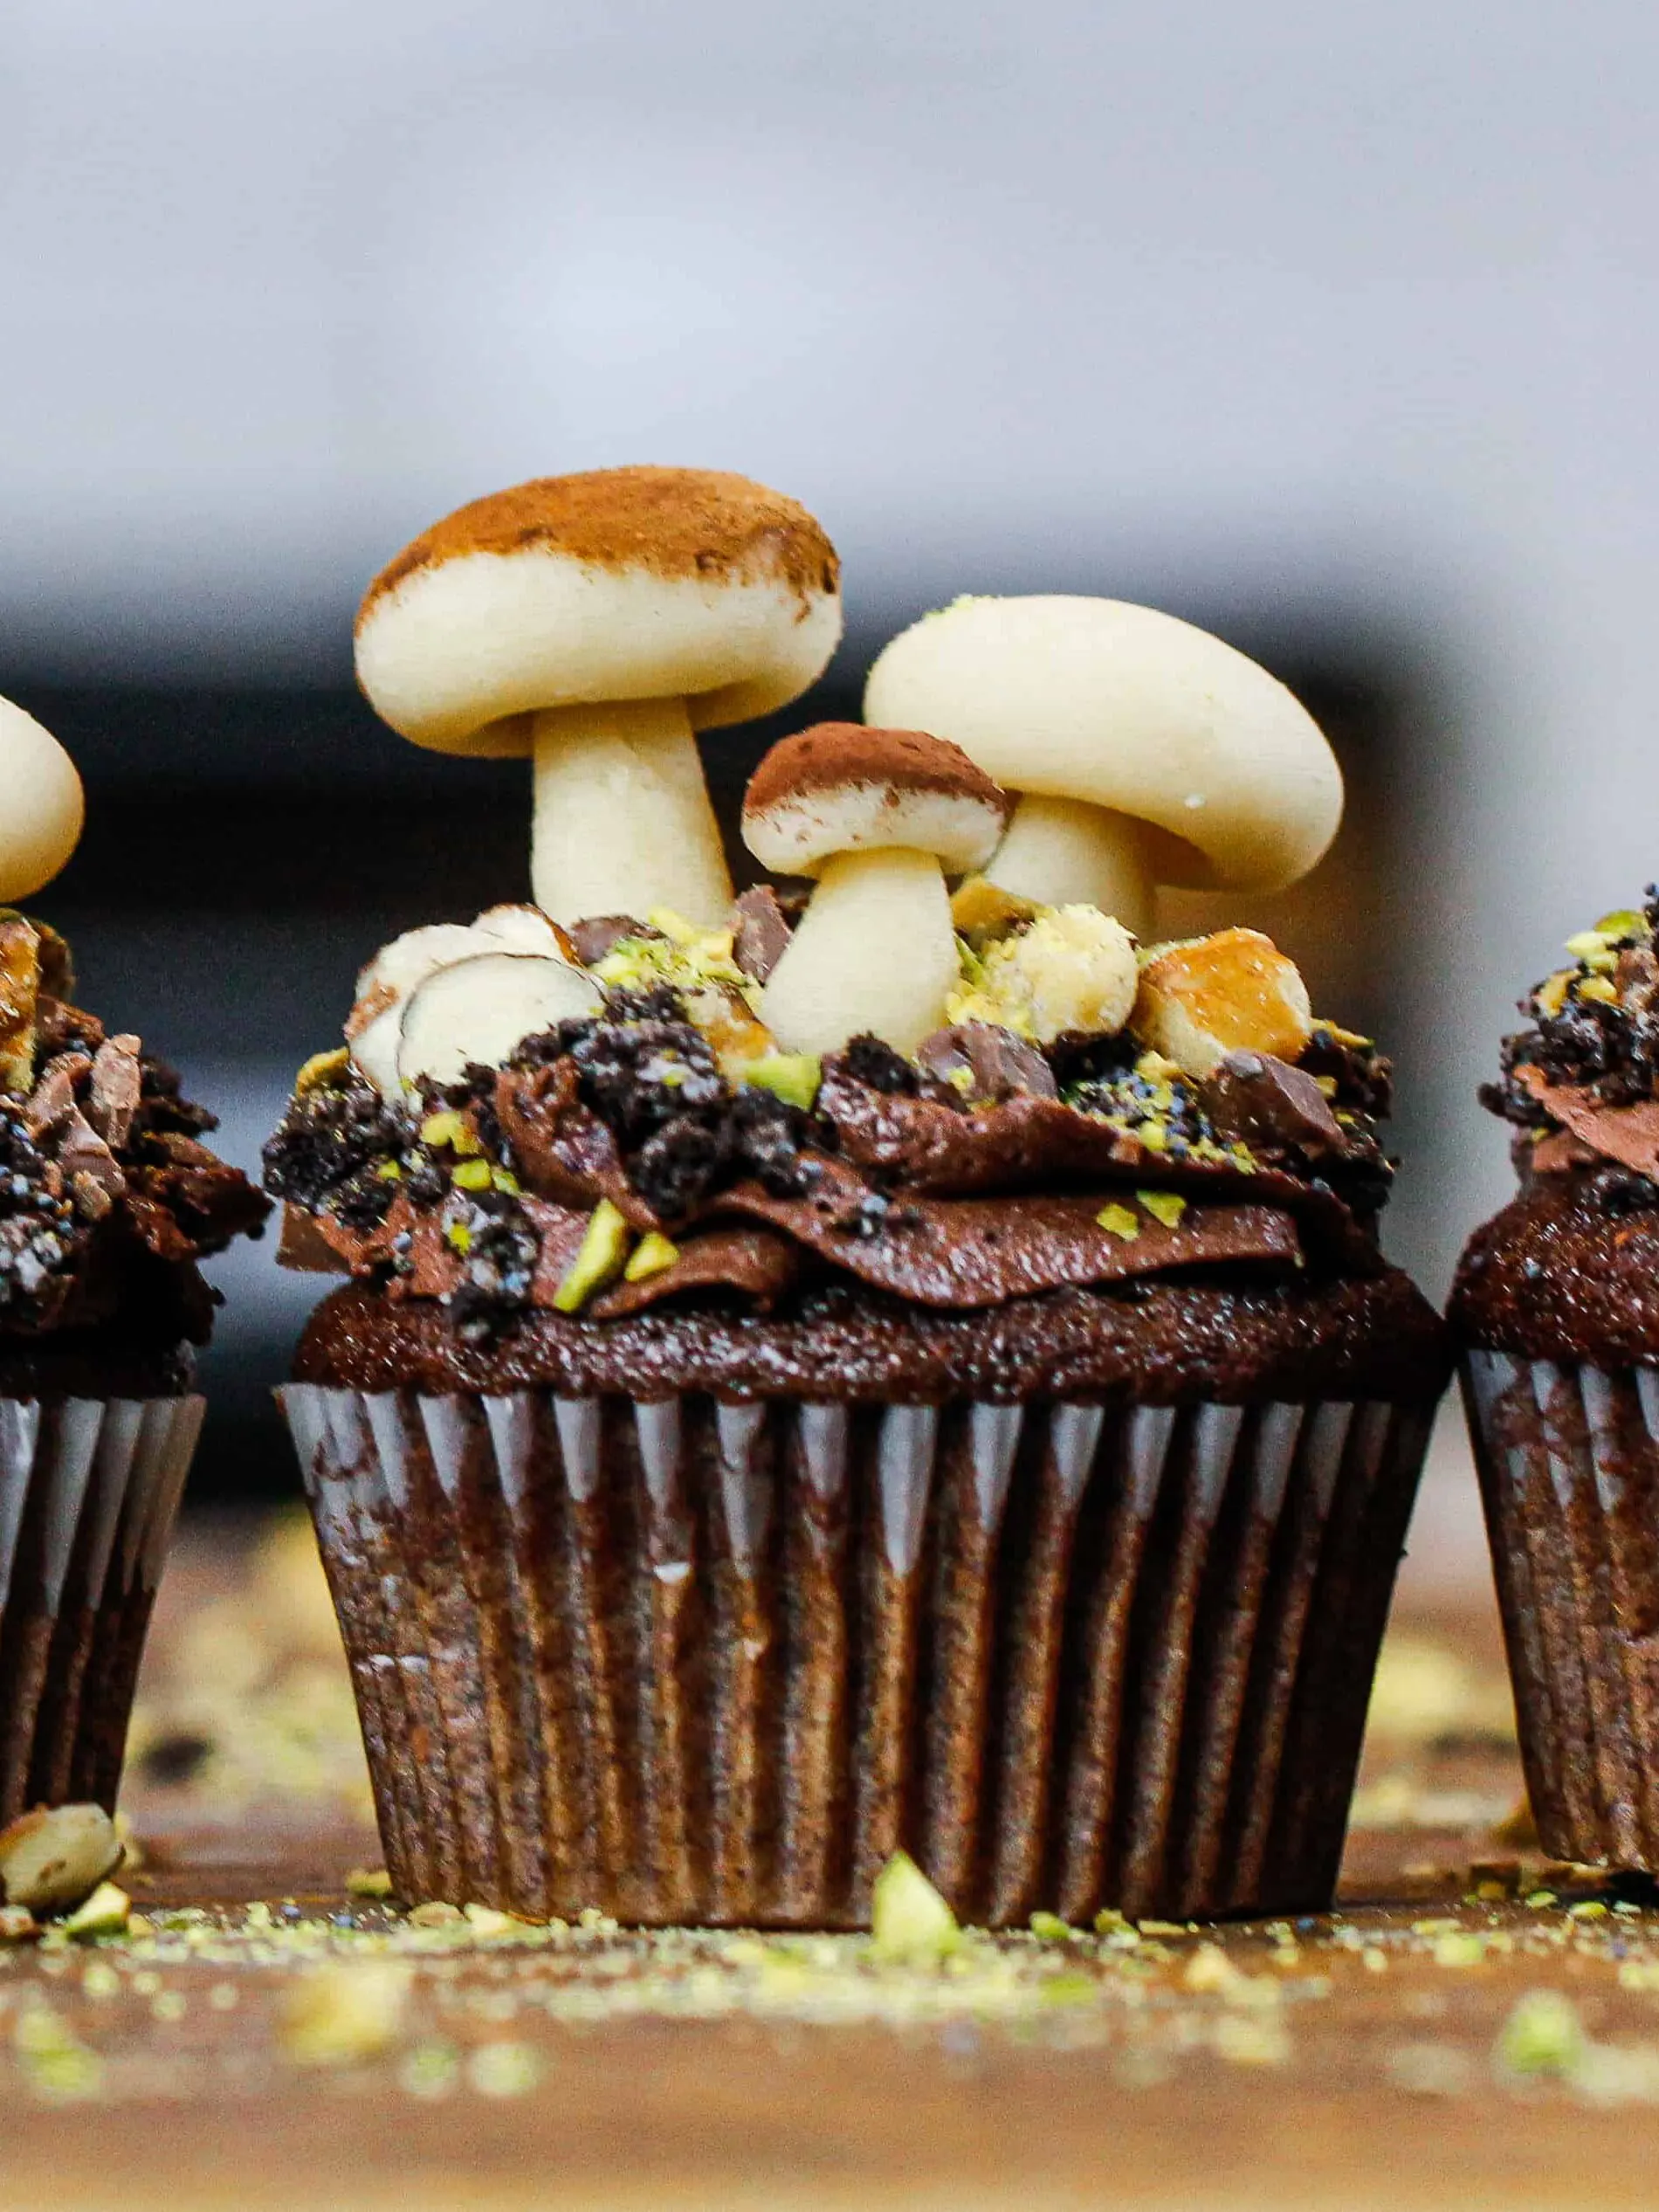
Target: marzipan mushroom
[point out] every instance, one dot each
(41, 805)
(1144, 751)
(594, 622)
(880, 817)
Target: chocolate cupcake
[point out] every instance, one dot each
(107, 1200)
(1556, 1308)
(910, 1372)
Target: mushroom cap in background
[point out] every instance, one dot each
(41, 806)
(1122, 708)
(844, 786)
(627, 583)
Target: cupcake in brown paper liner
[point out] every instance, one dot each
(1556, 1309)
(907, 1372)
(108, 1199)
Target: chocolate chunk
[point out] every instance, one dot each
(1271, 1105)
(592, 938)
(52, 1100)
(118, 1084)
(997, 1064)
(1628, 1134)
(82, 1152)
(761, 932)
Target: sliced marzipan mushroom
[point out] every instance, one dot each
(383, 989)
(1145, 751)
(479, 1009)
(878, 817)
(52, 1858)
(594, 622)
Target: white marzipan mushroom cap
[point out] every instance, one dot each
(42, 807)
(1124, 707)
(843, 788)
(625, 584)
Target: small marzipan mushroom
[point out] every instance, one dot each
(1144, 751)
(880, 817)
(41, 805)
(594, 622)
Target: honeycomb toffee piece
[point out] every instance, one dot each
(108, 1200)
(595, 622)
(1555, 1308)
(894, 1368)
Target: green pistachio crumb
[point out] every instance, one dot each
(1543, 2035)
(472, 1175)
(458, 1236)
(654, 1255)
(323, 1072)
(449, 1128)
(389, 1171)
(1117, 1221)
(1049, 1927)
(792, 1077)
(1587, 942)
(910, 1924)
(1167, 1206)
(1598, 988)
(599, 1260)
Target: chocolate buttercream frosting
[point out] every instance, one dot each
(665, 1140)
(108, 1197)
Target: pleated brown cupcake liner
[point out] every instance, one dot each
(693, 1662)
(1568, 1457)
(89, 1490)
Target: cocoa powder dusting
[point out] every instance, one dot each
(670, 522)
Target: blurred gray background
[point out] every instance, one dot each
(1331, 328)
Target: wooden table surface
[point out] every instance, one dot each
(1427, 2043)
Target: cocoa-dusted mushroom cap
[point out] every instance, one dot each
(41, 805)
(592, 623)
(878, 816)
(626, 584)
(841, 787)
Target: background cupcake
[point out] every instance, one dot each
(1556, 1303)
(107, 1201)
(909, 1371)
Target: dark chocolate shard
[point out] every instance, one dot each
(118, 1085)
(760, 932)
(597, 934)
(971, 1252)
(1270, 1104)
(1628, 1134)
(986, 1065)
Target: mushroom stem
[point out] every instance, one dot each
(1065, 852)
(623, 818)
(873, 951)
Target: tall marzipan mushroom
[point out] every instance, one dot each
(41, 805)
(1145, 750)
(880, 817)
(594, 622)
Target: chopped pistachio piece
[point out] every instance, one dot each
(674, 926)
(458, 1236)
(910, 1924)
(342, 2013)
(449, 1128)
(105, 1912)
(388, 1171)
(1551, 995)
(504, 1179)
(368, 1881)
(981, 908)
(654, 1255)
(1598, 988)
(1167, 1206)
(473, 1175)
(602, 1254)
(1049, 1927)
(323, 1072)
(1585, 942)
(1543, 2035)
(792, 1077)
(1118, 1221)
(1623, 922)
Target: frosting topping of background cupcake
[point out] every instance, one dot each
(107, 1194)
